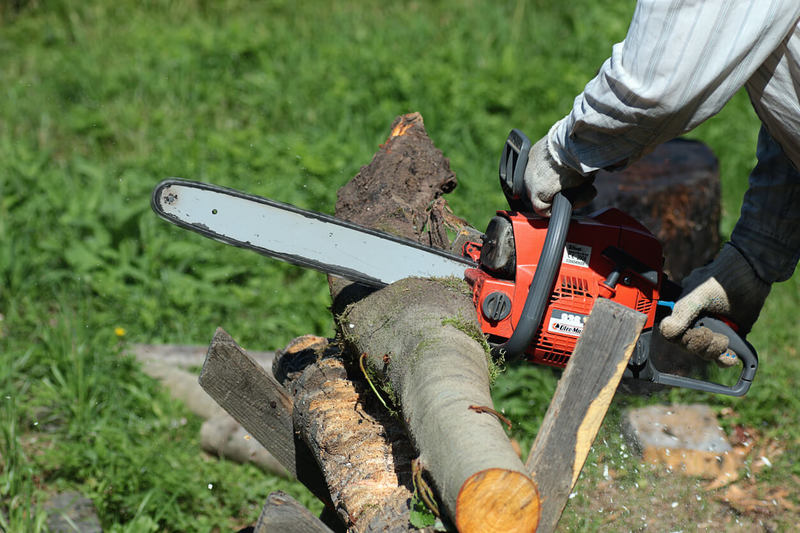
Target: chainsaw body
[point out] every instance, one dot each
(608, 254)
(538, 279)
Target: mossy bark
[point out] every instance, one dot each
(440, 374)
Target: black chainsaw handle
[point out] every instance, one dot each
(670, 292)
(542, 284)
(513, 161)
(743, 350)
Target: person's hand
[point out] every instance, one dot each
(544, 177)
(727, 286)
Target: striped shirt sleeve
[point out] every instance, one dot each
(680, 62)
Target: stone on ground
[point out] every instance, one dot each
(685, 438)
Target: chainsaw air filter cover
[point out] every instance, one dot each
(498, 254)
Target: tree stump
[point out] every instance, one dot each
(675, 193)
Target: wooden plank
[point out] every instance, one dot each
(284, 514)
(261, 405)
(579, 404)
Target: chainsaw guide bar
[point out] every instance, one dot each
(303, 238)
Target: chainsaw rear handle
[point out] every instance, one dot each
(513, 161)
(743, 350)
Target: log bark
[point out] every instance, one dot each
(579, 404)
(360, 447)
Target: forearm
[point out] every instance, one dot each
(678, 65)
(767, 232)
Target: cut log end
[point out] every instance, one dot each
(498, 500)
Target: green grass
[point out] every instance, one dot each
(101, 100)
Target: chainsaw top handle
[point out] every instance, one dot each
(513, 161)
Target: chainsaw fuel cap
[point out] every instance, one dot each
(496, 306)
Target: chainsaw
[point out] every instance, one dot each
(534, 280)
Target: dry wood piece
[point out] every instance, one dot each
(400, 192)
(395, 191)
(361, 448)
(579, 404)
(284, 514)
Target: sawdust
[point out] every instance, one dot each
(625, 495)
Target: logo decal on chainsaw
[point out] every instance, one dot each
(577, 255)
(566, 323)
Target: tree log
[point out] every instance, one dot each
(416, 334)
(413, 335)
(361, 449)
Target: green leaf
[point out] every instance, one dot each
(420, 516)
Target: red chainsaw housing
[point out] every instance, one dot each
(581, 279)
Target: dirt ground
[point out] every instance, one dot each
(619, 492)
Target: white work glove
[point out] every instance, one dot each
(544, 177)
(727, 286)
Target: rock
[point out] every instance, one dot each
(685, 438)
(70, 511)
